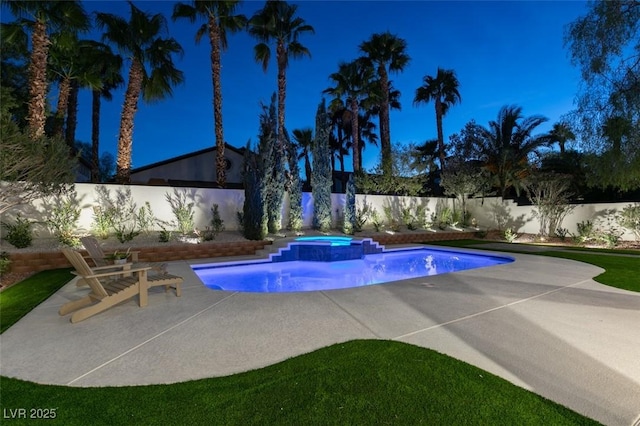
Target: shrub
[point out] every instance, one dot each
(629, 218)
(562, 233)
(509, 235)
(585, 232)
(103, 213)
(63, 216)
(124, 217)
(217, 226)
(349, 222)
(362, 215)
(19, 234)
(5, 263)
(146, 219)
(376, 221)
(182, 211)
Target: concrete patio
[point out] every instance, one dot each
(541, 323)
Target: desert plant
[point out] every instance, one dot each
(102, 221)
(124, 216)
(629, 218)
(217, 226)
(63, 216)
(444, 217)
(103, 213)
(146, 219)
(549, 193)
(5, 263)
(586, 232)
(376, 221)
(349, 222)
(182, 211)
(363, 212)
(19, 234)
(562, 233)
(509, 235)
(607, 231)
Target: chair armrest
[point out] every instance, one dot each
(110, 274)
(120, 266)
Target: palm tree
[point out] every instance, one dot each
(107, 67)
(68, 65)
(507, 144)
(353, 81)
(387, 53)
(304, 139)
(42, 18)
(140, 40)
(561, 133)
(276, 22)
(220, 18)
(443, 91)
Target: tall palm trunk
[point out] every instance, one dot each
(38, 80)
(385, 136)
(282, 88)
(61, 112)
(95, 136)
(125, 138)
(214, 39)
(72, 114)
(441, 150)
(355, 142)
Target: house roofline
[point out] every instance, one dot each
(240, 151)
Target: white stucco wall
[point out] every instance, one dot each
(520, 218)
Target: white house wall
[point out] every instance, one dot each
(201, 167)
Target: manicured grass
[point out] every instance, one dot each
(359, 382)
(20, 298)
(621, 270)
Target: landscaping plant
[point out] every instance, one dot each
(363, 212)
(63, 219)
(294, 187)
(19, 234)
(103, 213)
(146, 219)
(321, 179)
(182, 211)
(349, 220)
(124, 217)
(629, 218)
(5, 263)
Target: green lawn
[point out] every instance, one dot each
(362, 382)
(17, 300)
(621, 266)
(359, 382)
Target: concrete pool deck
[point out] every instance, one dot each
(541, 323)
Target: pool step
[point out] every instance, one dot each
(290, 249)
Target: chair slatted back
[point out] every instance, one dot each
(81, 267)
(95, 251)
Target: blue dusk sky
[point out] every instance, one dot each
(503, 52)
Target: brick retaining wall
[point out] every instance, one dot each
(35, 262)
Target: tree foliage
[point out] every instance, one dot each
(31, 169)
(604, 45)
(321, 179)
(294, 186)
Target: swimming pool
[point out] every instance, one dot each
(295, 276)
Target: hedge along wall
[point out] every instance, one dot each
(520, 218)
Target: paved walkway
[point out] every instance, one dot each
(541, 323)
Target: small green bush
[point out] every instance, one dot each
(509, 235)
(629, 218)
(5, 263)
(586, 232)
(63, 217)
(376, 221)
(19, 234)
(102, 221)
(146, 219)
(182, 210)
(217, 226)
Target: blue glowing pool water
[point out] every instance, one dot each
(295, 276)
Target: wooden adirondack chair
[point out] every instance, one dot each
(105, 294)
(99, 258)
